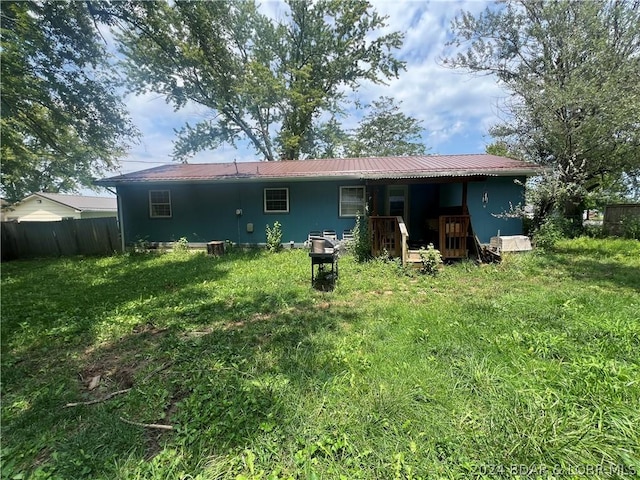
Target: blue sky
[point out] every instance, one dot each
(456, 108)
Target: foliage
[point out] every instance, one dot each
(431, 260)
(594, 231)
(571, 68)
(361, 244)
(63, 121)
(385, 131)
(264, 377)
(549, 191)
(554, 229)
(631, 227)
(501, 149)
(181, 245)
(141, 245)
(328, 140)
(229, 245)
(274, 237)
(263, 80)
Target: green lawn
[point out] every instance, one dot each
(480, 372)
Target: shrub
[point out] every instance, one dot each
(431, 260)
(631, 227)
(274, 237)
(361, 243)
(181, 245)
(141, 245)
(554, 228)
(594, 231)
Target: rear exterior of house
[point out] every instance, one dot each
(235, 202)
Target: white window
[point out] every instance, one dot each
(352, 201)
(159, 203)
(276, 200)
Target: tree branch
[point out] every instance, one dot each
(100, 400)
(147, 425)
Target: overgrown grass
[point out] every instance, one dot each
(530, 367)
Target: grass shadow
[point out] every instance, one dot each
(62, 302)
(595, 269)
(226, 345)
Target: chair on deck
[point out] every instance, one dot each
(330, 234)
(312, 233)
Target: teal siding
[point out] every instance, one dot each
(502, 192)
(205, 212)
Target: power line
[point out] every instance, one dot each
(140, 161)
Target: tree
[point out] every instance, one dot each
(386, 131)
(62, 118)
(572, 70)
(262, 80)
(501, 149)
(328, 140)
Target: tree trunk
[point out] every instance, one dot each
(573, 209)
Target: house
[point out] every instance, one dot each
(51, 207)
(4, 208)
(439, 199)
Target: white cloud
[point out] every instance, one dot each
(157, 122)
(456, 108)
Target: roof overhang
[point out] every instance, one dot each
(374, 177)
(379, 169)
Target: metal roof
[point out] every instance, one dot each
(427, 166)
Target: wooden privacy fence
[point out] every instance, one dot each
(91, 236)
(616, 215)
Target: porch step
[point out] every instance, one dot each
(413, 256)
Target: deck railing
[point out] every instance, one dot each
(389, 235)
(454, 230)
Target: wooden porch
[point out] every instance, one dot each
(389, 235)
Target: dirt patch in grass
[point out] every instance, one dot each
(148, 328)
(152, 445)
(115, 366)
(111, 375)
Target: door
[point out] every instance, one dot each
(398, 202)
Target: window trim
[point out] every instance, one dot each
(364, 201)
(152, 204)
(264, 202)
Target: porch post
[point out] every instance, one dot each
(465, 208)
(376, 192)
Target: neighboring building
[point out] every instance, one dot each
(51, 207)
(235, 201)
(4, 207)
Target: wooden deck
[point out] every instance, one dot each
(389, 236)
(454, 231)
(413, 256)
